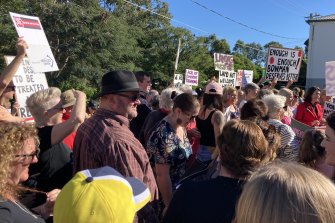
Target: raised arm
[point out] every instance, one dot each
(60, 131)
(9, 72)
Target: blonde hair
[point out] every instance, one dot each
(41, 101)
(285, 92)
(227, 91)
(251, 151)
(286, 192)
(12, 138)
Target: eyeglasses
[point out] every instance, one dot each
(131, 98)
(191, 116)
(25, 157)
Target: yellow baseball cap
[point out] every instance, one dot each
(100, 195)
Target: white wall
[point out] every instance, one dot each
(321, 50)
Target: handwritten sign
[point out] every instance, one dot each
(26, 83)
(223, 61)
(239, 75)
(328, 108)
(178, 80)
(39, 52)
(283, 63)
(191, 77)
(227, 78)
(330, 78)
(247, 77)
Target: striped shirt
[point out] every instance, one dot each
(105, 139)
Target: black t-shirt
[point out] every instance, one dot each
(211, 201)
(16, 213)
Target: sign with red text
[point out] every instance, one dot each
(223, 61)
(26, 83)
(191, 77)
(283, 63)
(39, 53)
(330, 78)
(227, 78)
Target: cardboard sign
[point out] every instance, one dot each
(283, 63)
(191, 77)
(223, 61)
(178, 80)
(227, 78)
(328, 108)
(330, 78)
(239, 75)
(39, 52)
(26, 83)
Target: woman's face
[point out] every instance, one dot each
(22, 161)
(232, 98)
(329, 144)
(316, 96)
(289, 100)
(187, 116)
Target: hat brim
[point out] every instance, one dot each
(119, 91)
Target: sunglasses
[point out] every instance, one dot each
(191, 116)
(131, 98)
(26, 157)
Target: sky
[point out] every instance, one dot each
(285, 18)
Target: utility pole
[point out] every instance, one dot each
(177, 60)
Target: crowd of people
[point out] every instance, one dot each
(134, 154)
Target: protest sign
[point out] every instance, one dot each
(283, 63)
(191, 77)
(247, 77)
(39, 52)
(328, 108)
(178, 80)
(239, 75)
(223, 61)
(330, 78)
(227, 78)
(26, 83)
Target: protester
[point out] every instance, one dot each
(229, 97)
(154, 117)
(298, 95)
(9, 108)
(313, 155)
(105, 138)
(54, 168)
(68, 101)
(210, 122)
(144, 83)
(214, 200)
(100, 195)
(153, 100)
(251, 90)
(17, 151)
(240, 96)
(169, 145)
(329, 142)
(286, 192)
(310, 111)
(91, 108)
(324, 98)
(262, 92)
(254, 108)
(288, 114)
(288, 146)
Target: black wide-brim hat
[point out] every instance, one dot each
(118, 81)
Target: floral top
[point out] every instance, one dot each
(166, 148)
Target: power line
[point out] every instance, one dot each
(242, 24)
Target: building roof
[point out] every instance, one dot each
(327, 18)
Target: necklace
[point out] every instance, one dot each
(23, 208)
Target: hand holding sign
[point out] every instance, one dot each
(21, 47)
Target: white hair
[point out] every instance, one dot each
(275, 103)
(186, 89)
(165, 100)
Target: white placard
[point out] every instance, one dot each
(191, 77)
(247, 77)
(239, 75)
(330, 78)
(283, 63)
(178, 80)
(223, 61)
(26, 83)
(39, 52)
(227, 78)
(328, 108)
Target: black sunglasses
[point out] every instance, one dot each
(131, 98)
(26, 156)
